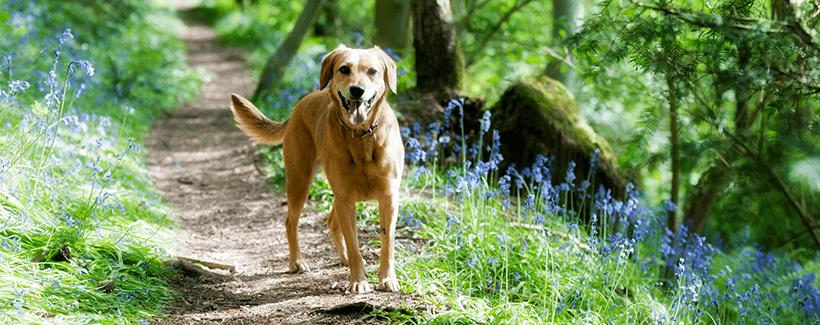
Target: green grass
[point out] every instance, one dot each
(83, 230)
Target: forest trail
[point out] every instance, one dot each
(203, 165)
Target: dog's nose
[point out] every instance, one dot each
(356, 92)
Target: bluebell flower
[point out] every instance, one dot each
(392, 55)
(669, 205)
(419, 171)
(529, 202)
(593, 162)
(86, 66)
(495, 159)
(485, 122)
(65, 36)
(504, 185)
(526, 173)
(448, 111)
(584, 185)
(16, 86)
(570, 178)
(358, 38)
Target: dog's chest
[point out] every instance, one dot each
(362, 170)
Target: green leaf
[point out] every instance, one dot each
(493, 80)
(534, 59)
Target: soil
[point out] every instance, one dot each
(227, 214)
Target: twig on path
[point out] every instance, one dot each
(229, 268)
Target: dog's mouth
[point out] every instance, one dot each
(356, 108)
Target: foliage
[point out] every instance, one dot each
(83, 230)
(744, 82)
(510, 251)
(501, 51)
(503, 247)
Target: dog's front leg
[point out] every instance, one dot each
(388, 214)
(346, 213)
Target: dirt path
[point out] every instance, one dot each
(202, 164)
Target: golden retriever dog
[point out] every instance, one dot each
(348, 129)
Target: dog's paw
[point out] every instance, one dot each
(299, 267)
(360, 287)
(390, 284)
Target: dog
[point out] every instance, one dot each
(348, 129)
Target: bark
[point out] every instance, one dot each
(392, 20)
(329, 22)
(279, 61)
(674, 103)
(565, 15)
(439, 63)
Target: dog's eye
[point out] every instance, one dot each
(371, 72)
(344, 70)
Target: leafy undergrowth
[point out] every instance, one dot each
(83, 231)
(508, 248)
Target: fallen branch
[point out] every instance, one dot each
(569, 237)
(229, 268)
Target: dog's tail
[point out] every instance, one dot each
(256, 125)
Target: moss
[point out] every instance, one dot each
(558, 106)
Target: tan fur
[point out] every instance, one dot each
(362, 161)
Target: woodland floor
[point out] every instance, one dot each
(227, 214)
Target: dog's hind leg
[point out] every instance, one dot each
(336, 234)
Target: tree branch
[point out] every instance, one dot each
(473, 9)
(801, 211)
(495, 29)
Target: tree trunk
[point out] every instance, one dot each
(439, 63)
(329, 22)
(668, 43)
(565, 18)
(392, 20)
(279, 61)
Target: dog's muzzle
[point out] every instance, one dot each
(356, 109)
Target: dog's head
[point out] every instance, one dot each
(358, 79)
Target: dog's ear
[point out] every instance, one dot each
(327, 66)
(389, 69)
